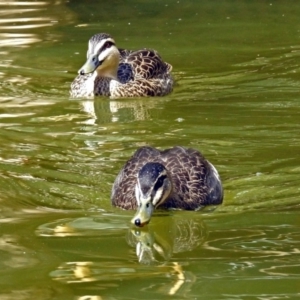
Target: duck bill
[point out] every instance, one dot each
(90, 66)
(143, 214)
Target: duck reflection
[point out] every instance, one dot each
(155, 248)
(159, 242)
(106, 111)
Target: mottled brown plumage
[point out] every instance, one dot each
(138, 73)
(195, 181)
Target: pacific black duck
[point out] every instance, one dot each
(176, 178)
(114, 72)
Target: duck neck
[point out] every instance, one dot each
(109, 73)
(110, 66)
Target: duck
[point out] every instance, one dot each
(175, 178)
(117, 73)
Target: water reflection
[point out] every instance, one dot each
(17, 39)
(18, 16)
(156, 244)
(155, 247)
(14, 255)
(103, 110)
(112, 274)
(174, 252)
(24, 25)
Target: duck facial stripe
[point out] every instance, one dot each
(103, 45)
(158, 197)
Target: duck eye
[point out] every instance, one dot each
(107, 45)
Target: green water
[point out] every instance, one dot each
(236, 99)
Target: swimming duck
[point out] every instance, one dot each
(114, 72)
(176, 178)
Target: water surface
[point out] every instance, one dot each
(236, 99)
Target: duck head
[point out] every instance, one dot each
(102, 56)
(152, 189)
